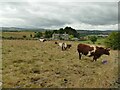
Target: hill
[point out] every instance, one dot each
(96, 31)
(10, 29)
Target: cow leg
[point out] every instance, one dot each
(94, 58)
(80, 56)
(62, 47)
(65, 48)
(91, 54)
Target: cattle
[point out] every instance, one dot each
(94, 51)
(60, 44)
(42, 40)
(99, 52)
(64, 46)
(56, 43)
(69, 45)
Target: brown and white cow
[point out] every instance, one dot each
(94, 51)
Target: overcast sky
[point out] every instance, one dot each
(55, 15)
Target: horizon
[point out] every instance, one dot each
(53, 29)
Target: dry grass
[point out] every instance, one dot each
(34, 64)
(17, 34)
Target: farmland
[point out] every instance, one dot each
(34, 64)
(17, 34)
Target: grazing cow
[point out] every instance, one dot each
(64, 46)
(42, 40)
(99, 52)
(60, 44)
(56, 43)
(84, 49)
(94, 51)
(69, 45)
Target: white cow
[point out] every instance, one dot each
(42, 40)
(60, 44)
(63, 45)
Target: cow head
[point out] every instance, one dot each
(56, 43)
(44, 40)
(69, 45)
(106, 51)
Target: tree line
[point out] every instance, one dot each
(112, 41)
(48, 34)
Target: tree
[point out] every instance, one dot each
(48, 34)
(71, 31)
(113, 41)
(38, 34)
(71, 36)
(61, 31)
(93, 39)
(55, 31)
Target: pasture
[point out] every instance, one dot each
(17, 34)
(34, 64)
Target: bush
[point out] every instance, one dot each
(24, 36)
(11, 37)
(93, 39)
(38, 34)
(113, 40)
(48, 34)
(71, 36)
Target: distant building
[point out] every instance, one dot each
(83, 38)
(101, 35)
(75, 39)
(60, 36)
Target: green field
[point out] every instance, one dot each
(34, 64)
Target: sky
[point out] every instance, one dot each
(53, 14)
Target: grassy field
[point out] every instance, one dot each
(17, 34)
(100, 41)
(34, 64)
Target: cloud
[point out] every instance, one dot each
(59, 0)
(80, 15)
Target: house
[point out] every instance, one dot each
(83, 38)
(60, 36)
(75, 39)
(101, 35)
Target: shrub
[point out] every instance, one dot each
(38, 35)
(113, 40)
(93, 39)
(48, 34)
(71, 36)
(24, 36)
